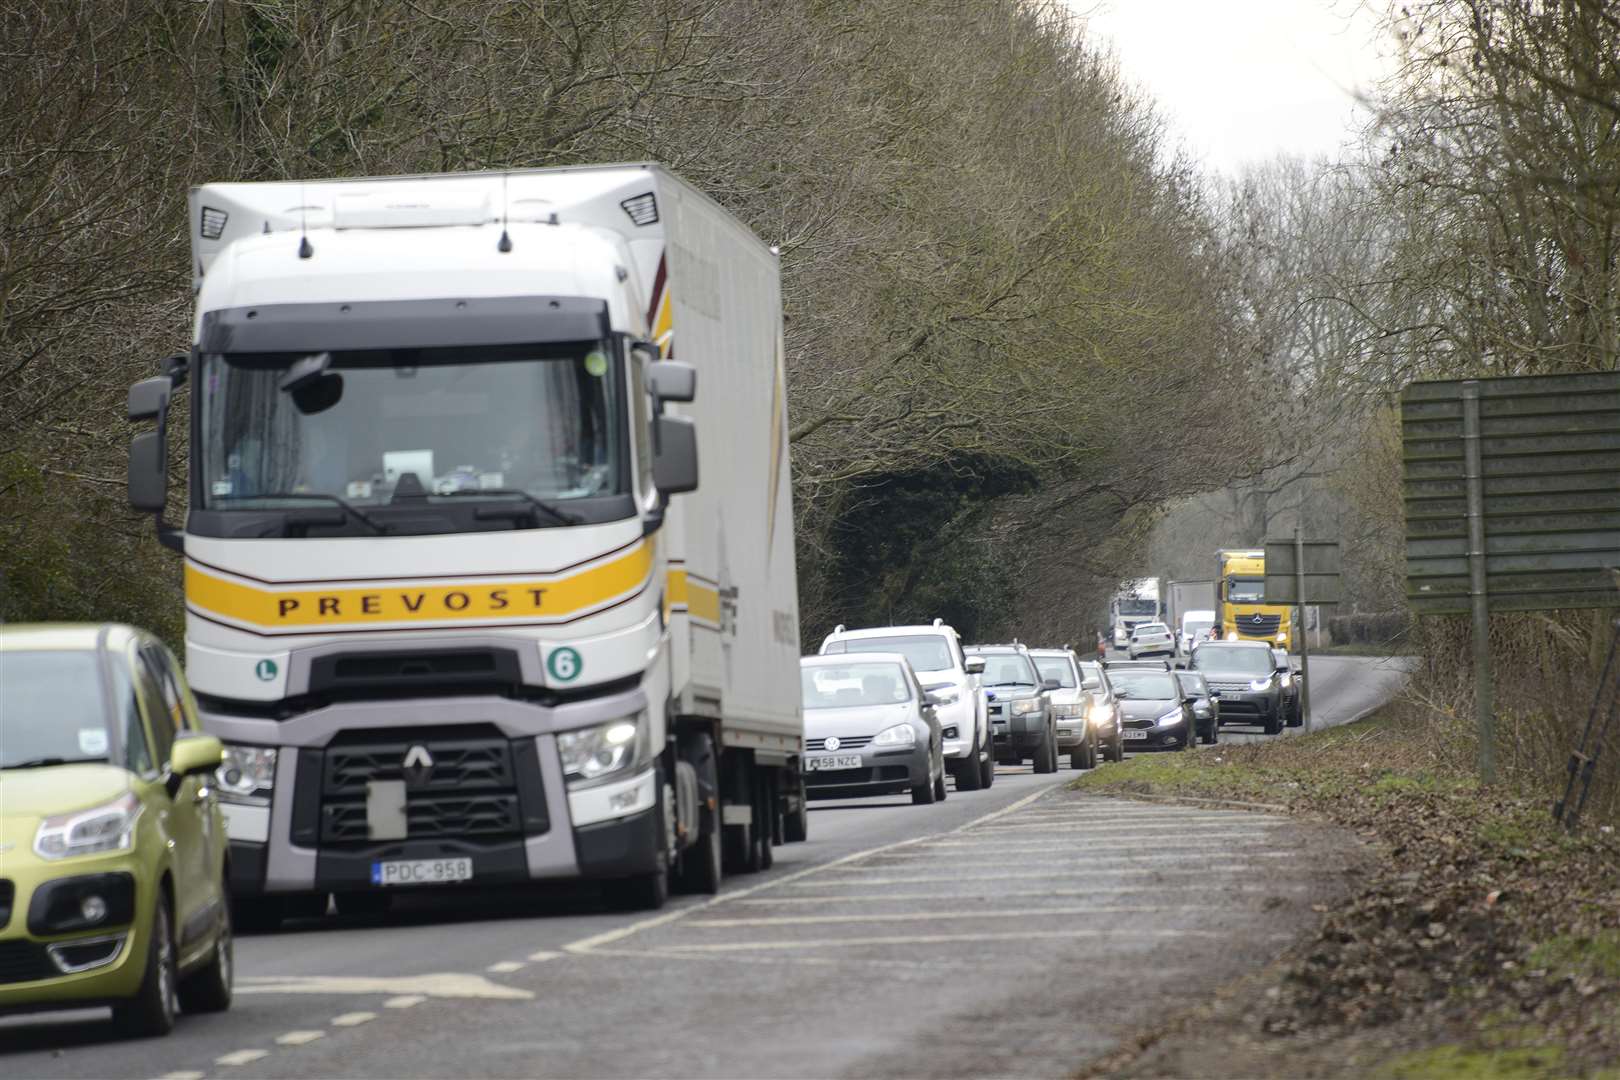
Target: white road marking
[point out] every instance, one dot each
(609, 937)
(354, 1019)
(1102, 862)
(241, 1057)
(948, 939)
(442, 985)
(1074, 842)
(182, 1074)
(543, 955)
(299, 1038)
(405, 1001)
(903, 878)
(505, 967)
(933, 916)
(1095, 890)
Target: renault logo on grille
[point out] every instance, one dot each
(418, 764)
(833, 743)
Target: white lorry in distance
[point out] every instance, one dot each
(1136, 602)
(456, 598)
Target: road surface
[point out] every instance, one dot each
(1015, 931)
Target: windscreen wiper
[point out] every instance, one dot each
(347, 507)
(41, 762)
(558, 515)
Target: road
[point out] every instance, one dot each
(1015, 931)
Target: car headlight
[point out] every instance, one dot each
(1169, 718)
(899, 735)
(1026, 707)
(594, 752)
(1260, 684)
(107, 827)
(1067, 712)
(1286, 680)
(247, 774)
(1100, 716)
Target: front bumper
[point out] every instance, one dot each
(1238, 707)
(1158, 737)
(963, 716)
(880, 772)
(91, 965)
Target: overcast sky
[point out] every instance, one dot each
(1243, 80)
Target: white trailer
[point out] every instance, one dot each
(1189, 596)
(1137, 601)
(440, 601)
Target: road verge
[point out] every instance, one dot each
(1486, 941)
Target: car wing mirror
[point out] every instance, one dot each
(1051, 684)
(975, 665)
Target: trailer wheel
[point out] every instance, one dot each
(765, 816)
(796, 822)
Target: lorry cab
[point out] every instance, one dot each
(1242, 613)
(455, 600)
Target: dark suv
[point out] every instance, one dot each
(1020, 706)
(1245, 674)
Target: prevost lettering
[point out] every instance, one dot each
(511, 600)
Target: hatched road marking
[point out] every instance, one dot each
(240, 1057)
(948, 939)
(934, 916)
(354, 1019)
(299, 1038)
(443, 985)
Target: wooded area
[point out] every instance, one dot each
(1020, 325)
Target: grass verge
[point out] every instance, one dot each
(1488, 944)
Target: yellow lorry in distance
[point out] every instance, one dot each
(1241, 611)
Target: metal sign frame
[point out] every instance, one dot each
(1302, 572)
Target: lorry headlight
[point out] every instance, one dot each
(594, 752)
(1257, 685)
(1026, 707)
(107, 827)
(899, 735)
(247, 774)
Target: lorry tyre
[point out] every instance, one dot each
(649, 891)
(796, 822)
(700, 870)
(765, 818)
(152, 1010)
(208, 989)
(257, 914)
(1046, 754)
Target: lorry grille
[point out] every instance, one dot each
(845, 742)
(24, 961)
(1266, 627)
(480, 785)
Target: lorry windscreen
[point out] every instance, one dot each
(1137, 605)
(1246, 590)
(415, 431)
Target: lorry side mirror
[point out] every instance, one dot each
(149, 454)
(670, 380)
(675, 462)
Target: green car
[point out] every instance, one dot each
(112, 845)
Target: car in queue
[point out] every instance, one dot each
(113, 850)
(1020, 709)
(869, 729)
(1151, 639)
(1245, 674)
(1196, 626)
(1292, 687)
(1206, 705)
(1070, 705)
(1156, 711)
(1103, 712)
(935, 653)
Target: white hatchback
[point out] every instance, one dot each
(1152, 639)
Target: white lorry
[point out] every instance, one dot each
(445, 600)
(1136, 601)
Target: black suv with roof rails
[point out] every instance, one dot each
(1245, 673)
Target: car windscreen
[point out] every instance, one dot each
(1193, 683)
(837, 686)
(1239, 660)
(1091, 672)
(1151, 628)
(1007, 669)
(1152, 685)
(52, 709)
(1196, 626)
(1246, 590)
(926, 652)
(1056, 667)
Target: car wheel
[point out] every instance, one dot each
(1207, 736)
(987, 765)
(363, 904)
(969, 771)
(1077, 760)
(1046, 754)
(209, 989)
(939, 784)
(1274, 722)
(923, 793)
(152, 1010)
(1119, 747)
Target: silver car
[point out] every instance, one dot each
(869, 728)
(1151, 639)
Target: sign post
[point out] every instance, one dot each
(1512, 493)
